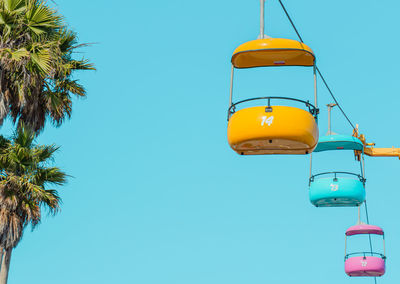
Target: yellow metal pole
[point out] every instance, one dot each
(382, 152)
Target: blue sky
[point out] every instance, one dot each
(159, 197)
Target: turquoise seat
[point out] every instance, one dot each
(337, 189)
(338, 142)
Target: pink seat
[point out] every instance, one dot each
(365, 266)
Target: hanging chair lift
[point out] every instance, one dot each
(272, 129)
(337, 189)
(369, 264)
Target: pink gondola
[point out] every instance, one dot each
(365, 263)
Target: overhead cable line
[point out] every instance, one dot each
(319, 72)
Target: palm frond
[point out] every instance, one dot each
(37, 62)
(42, 60)
(19, 54)
(44, 152)
(71, 86)
(24, 178)
(24, 137)
(41, 17)
(83, 64)
(14, 5)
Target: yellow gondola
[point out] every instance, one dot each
(272, 129)
(280, 130)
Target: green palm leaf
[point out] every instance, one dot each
(19, 54)
(42, 60)
(41, 17)
(37, 63)
(14, 5)
(24, 177)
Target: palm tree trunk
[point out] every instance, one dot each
(5, 265)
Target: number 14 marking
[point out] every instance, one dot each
(267, 120)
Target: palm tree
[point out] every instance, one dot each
(37, 64)
(25, 175)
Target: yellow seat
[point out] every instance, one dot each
(272, 52)
(280, 130)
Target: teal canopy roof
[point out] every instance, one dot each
(338, 142)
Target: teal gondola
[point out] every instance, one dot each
(337, 189)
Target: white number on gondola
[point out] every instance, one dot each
(364, 263)
(267, 120)
(334, 187)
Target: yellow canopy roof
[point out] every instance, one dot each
(272, 52)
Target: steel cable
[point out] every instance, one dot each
(318, 70)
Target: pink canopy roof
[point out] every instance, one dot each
(364, 229)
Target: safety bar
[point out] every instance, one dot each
(362, 179)
(311, 108)
(365, 254)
